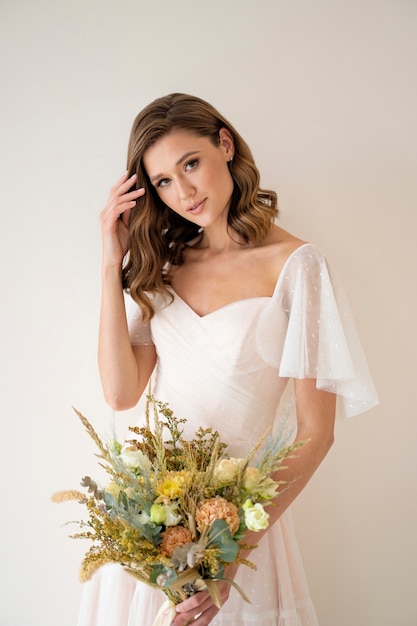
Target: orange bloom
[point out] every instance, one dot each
(173, 537)
(217, 508)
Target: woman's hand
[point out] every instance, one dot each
(202, 605)
(115, 218)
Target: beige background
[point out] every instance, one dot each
(325, 93)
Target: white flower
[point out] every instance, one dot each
(165, 514)
(268, 489)
(251, 479)
(226, 471)
(144, 518)
(256, 517)
(136, 459)
(258, 485)
(172, 517)
(188, 555)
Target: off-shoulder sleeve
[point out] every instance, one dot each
(139, 332)
(307, 331)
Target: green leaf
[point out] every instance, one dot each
(221, 538)
(168, 572)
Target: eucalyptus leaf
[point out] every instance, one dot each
(221, 538)
(156, 571)
(168, 573)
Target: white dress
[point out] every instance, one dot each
(232, 370)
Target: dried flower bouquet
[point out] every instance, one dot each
(175, 512)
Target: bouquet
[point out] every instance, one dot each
(174, 512)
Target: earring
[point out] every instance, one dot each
(231, 159)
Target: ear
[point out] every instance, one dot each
(226, 143)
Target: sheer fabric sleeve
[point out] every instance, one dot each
(139, 332)
(307, 331)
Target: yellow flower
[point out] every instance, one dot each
(172, 485)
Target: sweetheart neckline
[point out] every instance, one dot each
(220, 308)
(241, 300)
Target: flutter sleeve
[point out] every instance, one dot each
(139, 332)
(307, 331)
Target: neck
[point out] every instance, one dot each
(221, 240)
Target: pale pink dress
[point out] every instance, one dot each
(232, 370)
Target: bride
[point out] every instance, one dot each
(237, 322)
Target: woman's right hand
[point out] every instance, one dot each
(115, 218)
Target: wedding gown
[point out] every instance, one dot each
(232, 370)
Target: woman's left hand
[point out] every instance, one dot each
(201, 605)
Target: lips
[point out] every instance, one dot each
(197, 207)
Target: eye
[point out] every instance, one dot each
(162, 183)
(191, 165)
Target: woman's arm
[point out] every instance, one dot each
(315, 423)
(124, 370)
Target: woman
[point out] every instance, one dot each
(232, 317)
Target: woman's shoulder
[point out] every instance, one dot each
(281, 243)
(280, 246)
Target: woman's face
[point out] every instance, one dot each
(191, 175)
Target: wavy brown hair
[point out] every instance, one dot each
(158, 235)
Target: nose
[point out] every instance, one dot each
(185, 189)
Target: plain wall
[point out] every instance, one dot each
(325, 94)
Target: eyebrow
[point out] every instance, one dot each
(181, 160)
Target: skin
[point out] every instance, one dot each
(189, 171)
